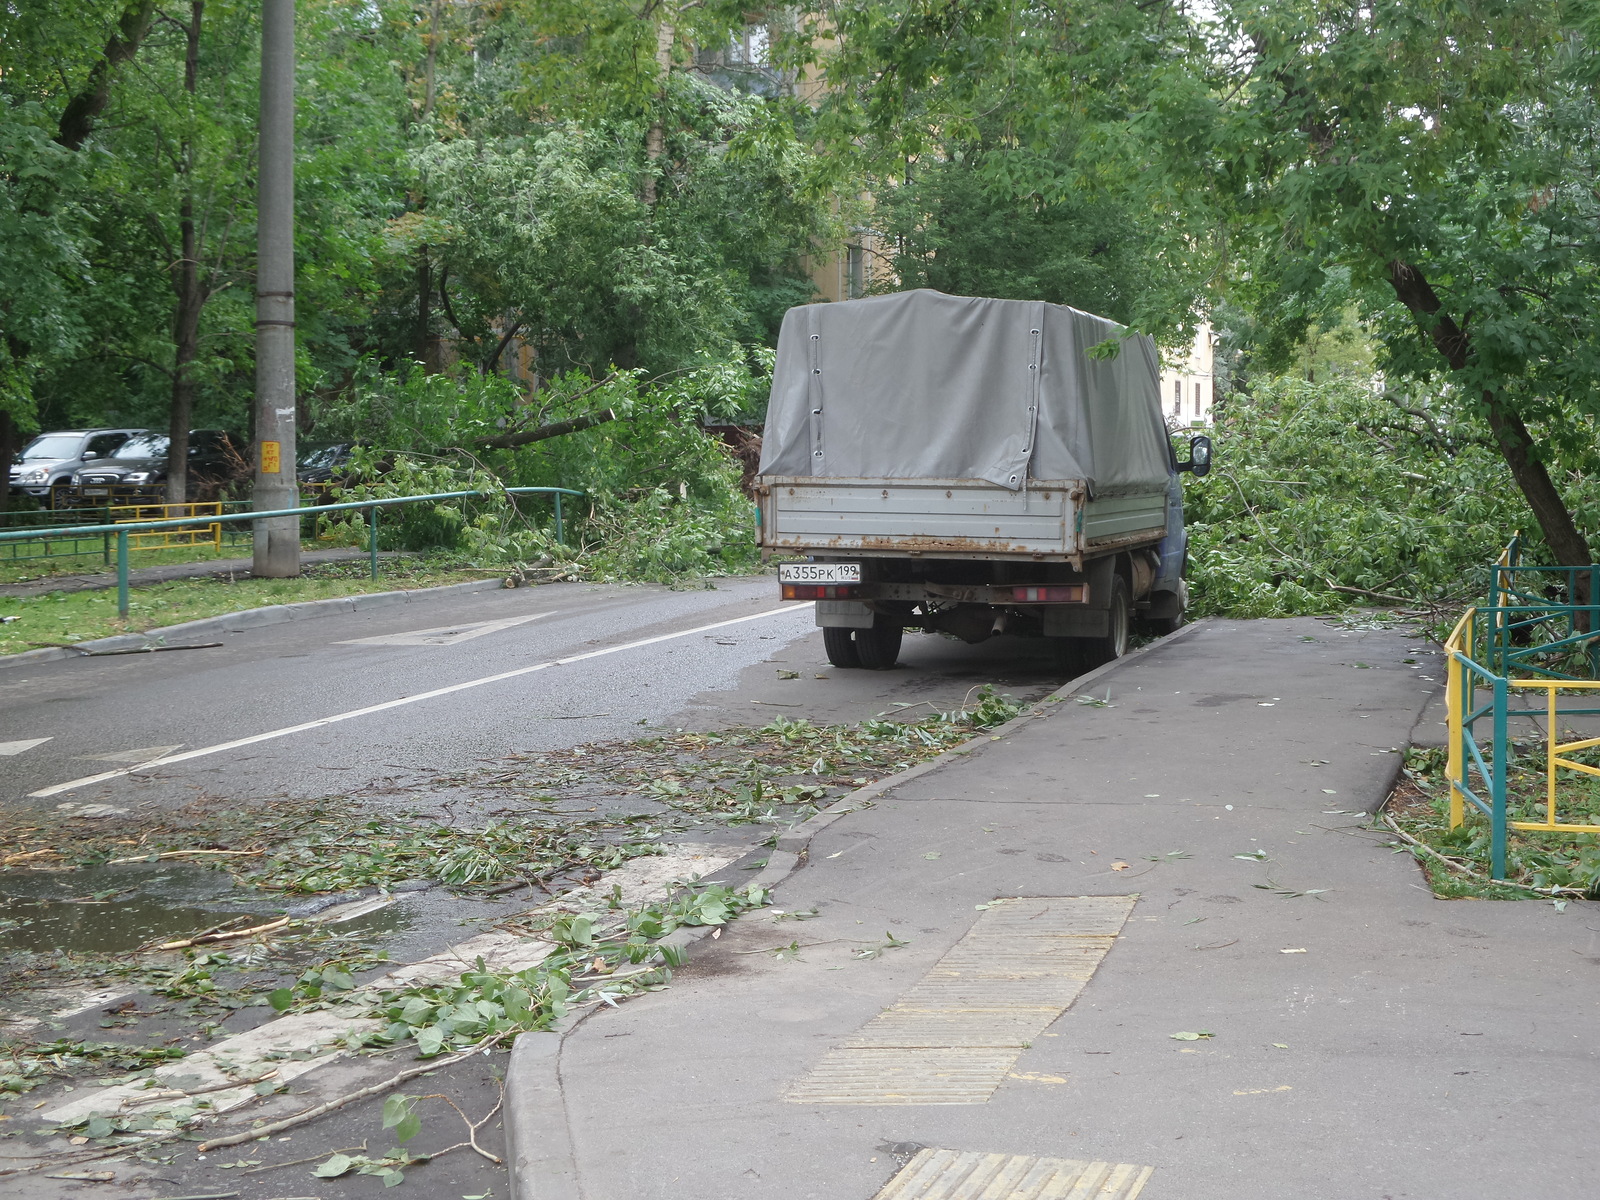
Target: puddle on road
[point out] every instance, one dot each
(109, 910)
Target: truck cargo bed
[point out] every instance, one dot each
(950, 518)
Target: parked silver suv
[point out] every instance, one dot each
(52, 458)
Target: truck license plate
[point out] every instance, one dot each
(819, 573)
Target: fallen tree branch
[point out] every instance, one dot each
(1456, 864)
(165, 854)
(296, 1162)
(166, 1094)
(1385, 596)
(16, 858)
(231, 935)
(147, 649)
(506, 441)
(376, 1089)
(472, 1127)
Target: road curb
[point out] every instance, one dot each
(540, 1156)
(248, 618)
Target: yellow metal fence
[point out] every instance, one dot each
(1481, 688)
(170, 539)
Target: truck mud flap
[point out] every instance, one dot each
(844, 614)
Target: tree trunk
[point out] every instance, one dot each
(428, 348)
(10, 443)
(187, 290)
(430, 62)
(493, 363)
(186, 348)
(1561, 533)
(79, 115)
(655, 139)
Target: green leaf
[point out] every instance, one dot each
(399, 1114)
(281, 999)
(334, 1167)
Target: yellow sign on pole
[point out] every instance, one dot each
(271, 458)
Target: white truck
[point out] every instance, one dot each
(972, 467)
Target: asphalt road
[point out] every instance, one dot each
(439, 683)
(452, 680)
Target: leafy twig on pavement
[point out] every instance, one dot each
(1459, 865)
(375, 1089)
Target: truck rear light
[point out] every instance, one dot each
(1071, 593)
(820, 591)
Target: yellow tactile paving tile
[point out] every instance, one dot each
(900, 1075)
(955, 1034)
(969, 1175)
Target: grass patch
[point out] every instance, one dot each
(64, 618)
(29, 569)
(1456, 861)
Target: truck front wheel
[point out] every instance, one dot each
(879, 647)
(841, 647)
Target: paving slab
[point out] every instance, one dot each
(1352, 1036)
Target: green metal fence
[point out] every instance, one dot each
(56, 541)
(63, 533)
(1535, 641)
(117, 534)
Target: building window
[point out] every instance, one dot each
(1177, 397)
(750, 48)
(1197, 399)
(856, 273)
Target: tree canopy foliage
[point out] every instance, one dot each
(511, 209)
(1428, 166)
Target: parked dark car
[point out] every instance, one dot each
(325, 464)
(214, 460)
(53, 458)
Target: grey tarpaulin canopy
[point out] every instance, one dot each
(920, 385)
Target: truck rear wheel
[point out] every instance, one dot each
(1112, 644)
(878, 648)
(841, 647)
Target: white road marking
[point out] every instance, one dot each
(9, 749)
(140, 757)
(444, 635)
(73, 784)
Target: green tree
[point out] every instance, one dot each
(997, 138)
(58, 66)
(1442, 154)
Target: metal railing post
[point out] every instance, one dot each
(372, 540)
(1456, 703)
(1552, 726)
(1594, 618)
(559, 530)
(1497, 846)
(122, 572)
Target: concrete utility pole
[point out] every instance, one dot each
(277, 542)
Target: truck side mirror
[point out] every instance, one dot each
(1199, 457)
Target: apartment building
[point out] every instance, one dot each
(1188, 383)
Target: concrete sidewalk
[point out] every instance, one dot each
(1369, 1040)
